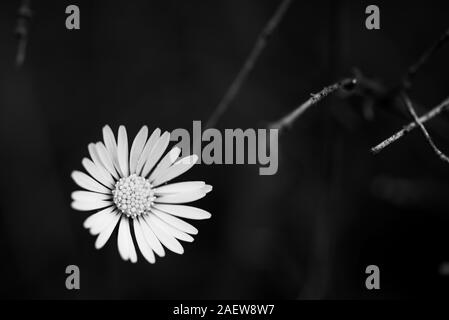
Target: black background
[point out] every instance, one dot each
(307, 232)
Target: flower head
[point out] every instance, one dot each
(128, 188)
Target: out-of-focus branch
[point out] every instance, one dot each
(391, 97)
(411, 72)
(249, 63)
(24, 15)
(405, 84)
(288, 120)
(412, 111)
(443, 106)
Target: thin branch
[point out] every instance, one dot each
(390, 97)
(407, 80)
(288, 120)
(249, 63)
(443, 106)
(21, 31)
(409, 105)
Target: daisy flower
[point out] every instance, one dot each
(128, 188)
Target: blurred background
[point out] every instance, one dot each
(307, 232)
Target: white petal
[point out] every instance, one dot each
(90, 205)
(99, 173)
(183, 197)
(131, 248)
(137, 148)
(175, 222)
(166, 239)
(94, 155)
(125, 241)
(151, 238)
(147, 150)
(177, 169)
(207, 188)
(106, 159)
(180, 187)
(184, 211)
(122, 240)
(104, 235)
(96, 217)
(165, 163)
(173, 231)
(122, 151)
(87, 196)
(99, 221)
(86, 182)
(111, 145)
(156, 153)
(143, 245)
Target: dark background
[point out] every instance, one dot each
(307, 232)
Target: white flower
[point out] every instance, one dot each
(128, 188)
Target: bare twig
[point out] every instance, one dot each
(407, 80)
(288, 120)
(249, 63)
(443, 106)
(412, 111)
(21, 31)
(406, 83)
(391, 97)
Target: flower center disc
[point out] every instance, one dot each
(133, 195)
